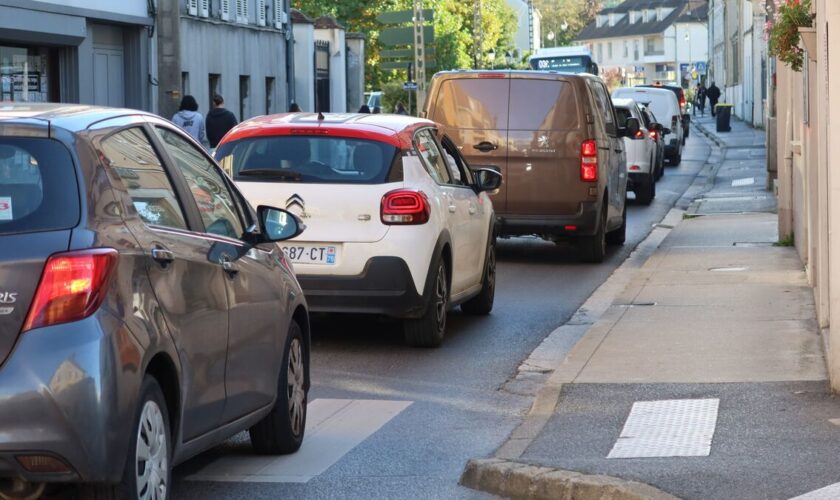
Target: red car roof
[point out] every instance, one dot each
(397, 130)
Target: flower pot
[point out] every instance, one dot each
(809, 40)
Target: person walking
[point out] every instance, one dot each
(713, 93)
(364, 109)
(401, 109)
(219, 121)
(294, 108)
(189, 119)
(699, 100)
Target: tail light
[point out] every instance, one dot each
(653, 135)
(589, 160)
(639, 135)
(72, 287)
(404, 207)
(682, 100)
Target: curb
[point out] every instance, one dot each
(520, 480)
(712, 137)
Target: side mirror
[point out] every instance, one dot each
(632, 127)
(277, 224)
(487, 178)
(656, 127)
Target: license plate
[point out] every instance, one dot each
(311, 254)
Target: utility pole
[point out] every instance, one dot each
(478, 38)
(419, 54)
(531, 26)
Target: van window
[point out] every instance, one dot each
(473, 103)
(663, 105)
(604, 107)
(38, 189)
(542, 105)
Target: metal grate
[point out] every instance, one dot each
(670, 428)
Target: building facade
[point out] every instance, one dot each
(527, 39)
(645, 41)
(77, 51)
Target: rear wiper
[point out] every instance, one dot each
(270, 172)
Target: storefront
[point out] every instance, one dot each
(29, 73)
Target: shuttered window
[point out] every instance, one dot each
(192, 7)
(242, 11)
(225, 10)
(279, 14)
(204, 10)
(261, 12)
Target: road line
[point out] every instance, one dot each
(830, 492)
(669, 428)
(333, 428)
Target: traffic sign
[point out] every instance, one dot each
(430, 51)
(403, 64)
(405, 36)
(700, 66)
(403, 16)
(410, 86)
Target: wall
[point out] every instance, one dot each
(305, 65)
(338, 67)
(355, 71)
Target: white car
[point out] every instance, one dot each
(640, 151)
(666, 107)
(397, 223)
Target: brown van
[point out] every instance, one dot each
(556, 139)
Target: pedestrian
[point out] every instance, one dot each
(219, 121)
(189, 119)
(364, 109)
(713, 93)
(377, 110)
(401, 109)
(699, 100)
(702, 93)
(294, 108)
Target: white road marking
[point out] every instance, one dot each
(333, 428)
(670, 428)
(749, 181)
(830, 492)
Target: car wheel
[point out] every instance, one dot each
(676, 159)
(618, 236)
(594, 248)
(428, 330)
(147, 474)
(281, 431)
(482, 303)
(646, 191)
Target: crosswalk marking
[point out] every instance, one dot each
(333, 428)
(830, 492)
(670, 428)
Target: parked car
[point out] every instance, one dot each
(640, 151)
(373, 99)
(558, 142)
(147, 313)
(398, 224)
(685, 110)
(664, 104)
(657, 132)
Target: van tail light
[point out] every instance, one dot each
(682, 100)
(72, 287)
(404, 207)
(639, 135)
(589, 160)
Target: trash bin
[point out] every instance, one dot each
(723, 112)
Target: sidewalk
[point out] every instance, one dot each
(705, 379)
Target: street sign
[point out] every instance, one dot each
(430, 51)
(700, 66)
(405, 36)
(403, 16)
(403, 64)
(410, 86)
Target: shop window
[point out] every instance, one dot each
(28, 74)
(185, 83)
(214, 80)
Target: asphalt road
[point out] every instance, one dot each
(457, 410)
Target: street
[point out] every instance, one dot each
(416, 415)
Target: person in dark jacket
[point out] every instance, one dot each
(294, 108)
(364, 109)
(400, 109)
(219, 121)
(713, 93)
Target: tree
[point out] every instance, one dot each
(575, 14)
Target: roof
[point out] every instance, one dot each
(328, 22)
(72, 117)
(699, 13)
(396, 130)
(623, 102)
(299, 17)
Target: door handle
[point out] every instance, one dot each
(163, 256)
(485, 146)
(228, 266)
(618, 150)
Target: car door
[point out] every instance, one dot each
(187, 282)
(455, 207)
(258, 314)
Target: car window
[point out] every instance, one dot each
(461, 174)
(473, 103)
(542, 105)
(623, 114)
(433, 159)
(130, 156)
(38, 189)
(214, 199)
(604, 107)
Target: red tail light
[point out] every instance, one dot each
(72, 287)
(653, 135)
(404, 207)
(589, 161)
(682, 100)
(639, 135)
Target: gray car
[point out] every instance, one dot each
(145, 312)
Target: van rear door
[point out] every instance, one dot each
(544, 140)
(473, 109)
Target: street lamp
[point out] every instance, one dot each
(492, 57)
(550, 36)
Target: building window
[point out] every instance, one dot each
(609, 51)
(600, 52)
(185, 83)
(261, 12)
(626, 49)
(29, 74)
(269, 94)
(244, 96)
(279, 14)
(214, 87)
(635, 50)
(242, 11)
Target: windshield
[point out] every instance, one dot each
(336, 160)
(566, 64)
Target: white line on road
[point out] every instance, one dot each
(670, 428)
(830, 492)
(333, 428)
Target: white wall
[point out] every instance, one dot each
(305, 65)
(338, 68)
(126, 7)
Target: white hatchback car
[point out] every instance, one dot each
(666, 107)
(397, 223)
(640, 151)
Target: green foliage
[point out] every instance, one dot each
(783, 31)
(787, 241)
(576, 14)
(393, 93)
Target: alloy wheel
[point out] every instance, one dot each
(152, 455)
(297, 394)
(440, 298)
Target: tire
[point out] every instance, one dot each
(152, 413)
(618, 236)
(281, 431)
(593, 248)
(429, 329)
(482, 304)
(646, 191)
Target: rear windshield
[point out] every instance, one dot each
(663, 106)
(542, 105)
(334, 160)
(38, 188)
(473, 103)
